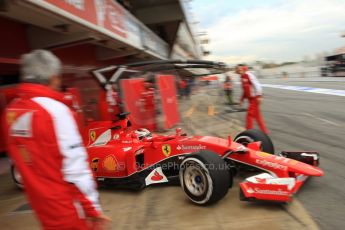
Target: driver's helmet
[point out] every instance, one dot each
(142, 133)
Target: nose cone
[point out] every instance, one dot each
(306, 169)
(316, 171)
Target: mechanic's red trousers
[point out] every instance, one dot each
(254, 113)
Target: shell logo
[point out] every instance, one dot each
(110, 163)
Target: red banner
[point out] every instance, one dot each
(138, 100)
(167, 89)
(104, 13)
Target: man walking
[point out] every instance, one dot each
(45, 145)
(252, 91)
(227, 85)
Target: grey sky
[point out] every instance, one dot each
(270, 30)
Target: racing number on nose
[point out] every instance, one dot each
(166, 149)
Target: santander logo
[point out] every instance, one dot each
(156, 177)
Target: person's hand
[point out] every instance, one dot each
(101, 222)
(259, 100)
(240, 105)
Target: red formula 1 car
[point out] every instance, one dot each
(204, 165)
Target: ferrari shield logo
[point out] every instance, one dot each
(166, 149)
(92, 135)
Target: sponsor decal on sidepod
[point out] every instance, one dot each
(156, 176)
(191, 147)
(110, 163)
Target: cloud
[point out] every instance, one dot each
(233, 59)
(278, 32)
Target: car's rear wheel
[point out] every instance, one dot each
(16, 177)
(205, 177)
(253, 135)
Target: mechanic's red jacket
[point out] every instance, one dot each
(251, 86)
(45, 145)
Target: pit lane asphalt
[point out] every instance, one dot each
(166, 207)
(311, 121)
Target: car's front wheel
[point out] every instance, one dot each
(205, 177)
(253, 135)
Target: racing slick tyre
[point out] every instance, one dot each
(204, 177)
(16, 177)
(253, 135)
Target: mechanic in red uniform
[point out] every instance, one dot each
(46, 147)
(252, 91)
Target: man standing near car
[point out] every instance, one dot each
(46, 147)
(252, 91)
(227, 85)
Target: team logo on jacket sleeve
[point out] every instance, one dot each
(166, 149)
(110, 163)
(21, 126)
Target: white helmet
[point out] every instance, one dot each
(142, 133)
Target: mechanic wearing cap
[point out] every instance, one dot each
(46, 147)
(252, 91)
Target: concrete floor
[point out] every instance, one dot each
(166, 207)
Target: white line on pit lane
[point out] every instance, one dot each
(335, 92)
(322, 119)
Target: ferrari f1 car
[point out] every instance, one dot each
(204, 165)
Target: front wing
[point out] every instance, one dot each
(266, 187)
